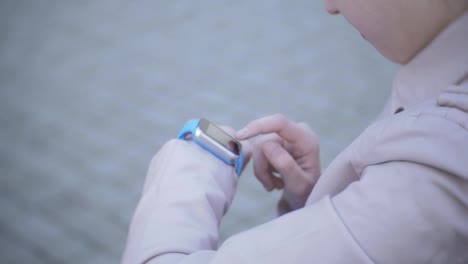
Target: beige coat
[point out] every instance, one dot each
(397, 194)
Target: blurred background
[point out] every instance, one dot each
(89, 90)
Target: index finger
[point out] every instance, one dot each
(277, 123)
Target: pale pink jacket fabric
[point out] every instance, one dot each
(397, 194)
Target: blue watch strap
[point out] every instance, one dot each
(239, 163)
(189, 128)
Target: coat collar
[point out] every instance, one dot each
(443, 63)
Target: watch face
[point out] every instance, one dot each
(220, 136)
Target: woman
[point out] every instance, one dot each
(397, 194)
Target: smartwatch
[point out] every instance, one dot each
(215, 140)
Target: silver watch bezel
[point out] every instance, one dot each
(225, 145)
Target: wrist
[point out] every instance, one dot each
(180, 161)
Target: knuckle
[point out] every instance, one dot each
(262, 174)
(283, 162)
(309, 133)
(280, 118)
(258, 143)
(304, 125)
(282, 122)
(306, 129)
(278, 156)
(272, 149)
(314, 139)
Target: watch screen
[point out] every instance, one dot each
(220, 136)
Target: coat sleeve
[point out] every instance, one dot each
(411, 203)
(404, 212)
(187, 191)
(177, 219)
(399, 212)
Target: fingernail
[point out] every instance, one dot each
(242, 133)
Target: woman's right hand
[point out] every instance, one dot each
(286, 148)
